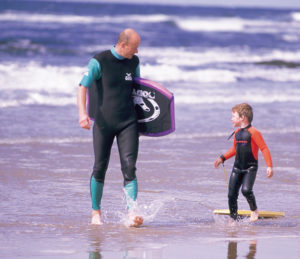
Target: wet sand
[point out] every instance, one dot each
(45, 203)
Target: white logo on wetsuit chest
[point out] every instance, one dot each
(128, 77)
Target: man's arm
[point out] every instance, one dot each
(138, 71)
(94, 73)
(84, 120)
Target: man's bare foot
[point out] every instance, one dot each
(96, 218)
(254, 216)
(135, 220)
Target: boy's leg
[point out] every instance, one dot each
(248, 182)
(247, 190)
(102, 141)
(235, 183)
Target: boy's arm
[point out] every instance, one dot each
(230, 153)
(260, 142)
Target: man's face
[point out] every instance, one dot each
(131, 48)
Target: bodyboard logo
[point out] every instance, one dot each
(139, 98)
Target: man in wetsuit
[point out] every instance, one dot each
(247, 141)
(113, 72)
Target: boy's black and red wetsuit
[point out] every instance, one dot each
(247, 141)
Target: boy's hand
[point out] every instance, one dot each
(270, 172)
(218, 162)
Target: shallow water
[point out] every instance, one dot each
(45, 203)
(211, 59)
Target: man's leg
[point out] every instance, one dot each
(128, 144)
(102, 141)
(96, 189)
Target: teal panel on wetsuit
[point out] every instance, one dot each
(94, 73)
(114, 52)
(96, 193)
(137, 71)
(131, 190)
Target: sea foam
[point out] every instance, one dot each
(82, 19)
(57, 85)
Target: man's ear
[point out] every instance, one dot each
(123, 45)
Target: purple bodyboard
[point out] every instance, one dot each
(154, 105)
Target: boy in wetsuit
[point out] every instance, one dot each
(113, 72)
(247, 141)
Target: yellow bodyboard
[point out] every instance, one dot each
(261, 213)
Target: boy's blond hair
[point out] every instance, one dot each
(244, 109)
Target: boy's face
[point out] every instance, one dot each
(236, 119)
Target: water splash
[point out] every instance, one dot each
(147, 211)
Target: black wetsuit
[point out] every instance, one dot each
(110, 80)
(115, 115)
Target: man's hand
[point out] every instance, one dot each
(85, 122)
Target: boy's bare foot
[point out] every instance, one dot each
(254, 216)
(232, 222)
(96, 218)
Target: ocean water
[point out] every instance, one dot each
(211, 59)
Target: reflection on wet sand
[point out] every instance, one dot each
(232, 250)
(95, 240)
(95, 255)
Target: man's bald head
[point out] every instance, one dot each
(128, 43)
(126, 35)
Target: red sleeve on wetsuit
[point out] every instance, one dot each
(232, 151)
(259, 141)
